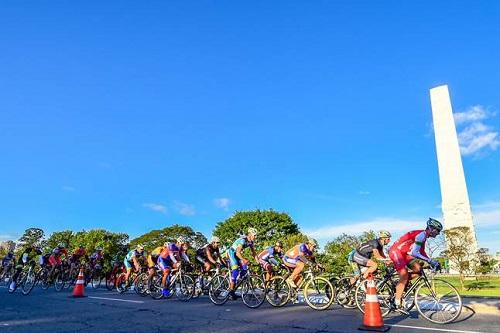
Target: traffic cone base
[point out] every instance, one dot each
(78, 291)
(384, 328)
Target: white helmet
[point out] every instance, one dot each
(181, 240)
(252, 231)
(215, 239)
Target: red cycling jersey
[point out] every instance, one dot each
(411, 245)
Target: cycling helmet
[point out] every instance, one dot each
(61, 245)
(181, 240)
(312, 241)
(279, 244)
(99, 249)
(81, 246)
(252, 231)
(139, 247)
(215, 239)
(384, 234)
(434, 223)
(166, 244)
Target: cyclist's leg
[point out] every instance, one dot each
(400, 264)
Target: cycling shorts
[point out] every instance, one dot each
(128, 264)
(267, 266)
(290, 262)
(400, 260)
(165, 264)
(359, 259)
(152, 260)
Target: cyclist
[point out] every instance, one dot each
(297, 257)
(27, 258)
(208, 255)
(372, 249)
(238, 263)
(132, 261)
(267, 258)
(76, 257)
(7, 260)
(152, 262)
(406, 251)
(55, 257)
(97, 258)
(170, 258)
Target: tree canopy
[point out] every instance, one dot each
(156, 238)
(271, 226)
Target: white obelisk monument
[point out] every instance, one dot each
(454, 196)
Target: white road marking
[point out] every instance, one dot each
(116, 299)
(433, 329)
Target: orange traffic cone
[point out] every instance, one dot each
(80, 285)
(372, 320)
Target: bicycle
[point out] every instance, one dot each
(26, 279)
(437, 300)
(178, 282)
(318, 292)
(251, 286)
(122, 285)
(112, 276)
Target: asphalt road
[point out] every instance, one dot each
(104, 311)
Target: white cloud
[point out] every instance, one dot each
(472, 114)
(475, 136)
(487, 215)
(222, 203)
(67, 188)
(394, 225)
(185, 209)
(156, 207)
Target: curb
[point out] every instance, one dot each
(484, 307)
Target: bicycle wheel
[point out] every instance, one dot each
(438, 301)
(59, 281)
(319, 293)
(95, 282)
(218, 289)
(29, 282)
(385, 295)
(18, 282)
(141, 284)
(110, 281)
(345, 291)
(278, 291)
(155, 290)
(44, 279)
(184, 287)
(253, 291)
(121, 283)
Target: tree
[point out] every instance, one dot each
(6, 246)
(156, 238)
(460, 254)
(31, 236)
(486, 263)
(271, 226)
(337, 250)
(58, 237)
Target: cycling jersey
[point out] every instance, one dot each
(296, 254)
(96, 258)
(55, 257)
(129, 257)
(78, 254)
(153, 257)
(366, 249)
(411, 245)
(234, 261)
(171, 255)
(202, 251)
(266, 259)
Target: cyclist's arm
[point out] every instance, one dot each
(380, 256)
(238, 253)
(210, 257)
(273, 261)
(417, 249)
(136, 262)
(185, 257)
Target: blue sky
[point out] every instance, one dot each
(133, 116)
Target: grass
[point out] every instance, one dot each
(483, 286)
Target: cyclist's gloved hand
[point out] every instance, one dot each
(434, 264)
